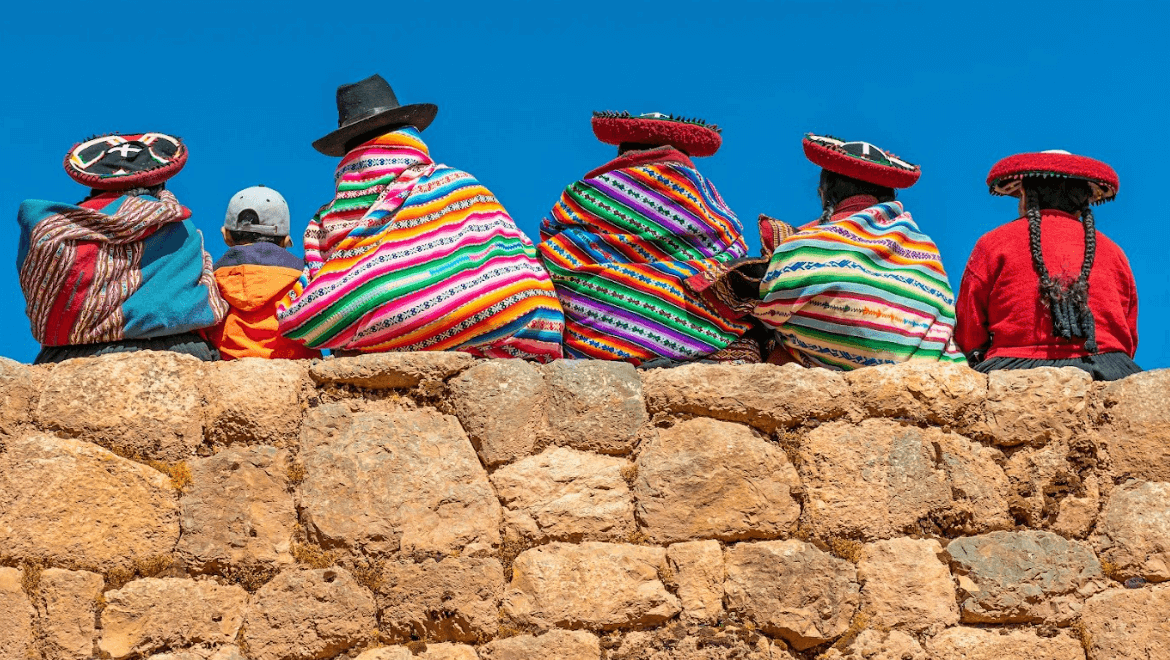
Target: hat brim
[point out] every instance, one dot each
(138, 179)
(693, 139)
(847, 164)
(418, 115)
(1006, 176)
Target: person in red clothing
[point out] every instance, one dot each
(1048, 289)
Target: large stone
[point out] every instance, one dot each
(791, 590)
(18, 395)
(256, 401)
(456, 599)
(386, 653)
(502, 406)
(674, 642)
(444, 651)
(881, 479)
(595, 405)
(1036, 406)
(384, 371)
(985, 644)
(406, 483)
(593, 585)
(873, 644)
(16, 624)
(1056, 485)
(1128, 624)
(158, 613)
(1133, 534)
(707, 479)
(238, 510)
(309, 615)
(698, 575)
(69, 502)
(1023, 577)
(226, 652)
(905, 585)
(67, 606)
(559, 644)
(147, 404)
(765, 396)
(939, 393)
(1136, 433)
(566, 495)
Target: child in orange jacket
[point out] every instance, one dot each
(255, 273)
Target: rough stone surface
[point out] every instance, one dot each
(158, 613)
(697, 567)
(384, 371)
(1136, 433)
(704, 478)
(987, 644)
(881, 479)
(905, 585)
(1128, 624)
(309, 614)
(503, 407)
(444, 651)
(792, 590)
(1036, 406)
(66, 606)
(592, 585)
(1056, 486)
(256, 401)
(238, 510)
(595, 405)
(407, 483)
(566, 495)
(560, 644)
(456, 599)
(386, 653)
(938, 393)
(765, 396)
(227, 652)
(674, 642)
(877, 645)
(18, 395)
(157, 413)
(16, 626)
(1021, 577)
(1133, 534)
(48, 486)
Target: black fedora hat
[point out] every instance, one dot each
(368, 105)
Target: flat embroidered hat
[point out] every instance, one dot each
(693, 137)
(124, 161)
(860, 160)
(1007, 176)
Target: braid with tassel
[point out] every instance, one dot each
(1069, 307)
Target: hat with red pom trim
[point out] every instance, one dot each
(694, 137)
(1007, 176)
(860, 160)
(124, 161)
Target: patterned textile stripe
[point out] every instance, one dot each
(416, 256)
(864, 290)
(620, 245)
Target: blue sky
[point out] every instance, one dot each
(953, 86)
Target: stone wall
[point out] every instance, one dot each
(442, 507)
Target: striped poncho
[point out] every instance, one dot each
(862, 290)
(619, 245)
(412, 256)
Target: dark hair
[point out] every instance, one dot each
(370, 135)
(837, 187)
(153, 191)
(1067, 302)
(246, 237)
(638, 146)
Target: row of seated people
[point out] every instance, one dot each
(641, 260)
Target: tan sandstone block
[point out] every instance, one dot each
(873, 644)
(503, 407)
(698, 575)
(1056, 485)
(309, 615)
(1136, 433)
(405, 483)
(1134, 531)
(456, 599)
(559, 644)
(227, 652)
(676, 642)
(987, 644)
(1036, 406)
(1128, 624)
(67, 606)
(18, 395)
(904, 584)
(16, 624)
(445, 651)
(386, 653)
(791, 590)
(765, 396)
(592, 585)
(384, 371)
(256, 401)
(152, 614)
(156, 414)
(939, 393)
(72, 502)
(881, 479)
(703, 479)
(594, 405)
(567, 495)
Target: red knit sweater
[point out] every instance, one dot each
(1000, 307)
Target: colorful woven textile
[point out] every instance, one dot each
(116, 267)
(619, 246)
(413, 256)
(862, 290)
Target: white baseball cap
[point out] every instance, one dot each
(259, 210)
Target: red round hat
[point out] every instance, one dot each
(860, 160)
(1006, 178)
(695, 137)
(124, 161)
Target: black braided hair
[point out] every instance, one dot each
(837, 187)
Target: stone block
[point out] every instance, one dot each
(559, 644)
(1133, 534)
(386, 653)
(445, 651)
(153, 614)
(256, 401)
(16, 626)
(698, 575)
(873, 644)
(1136, 429)
(18, 395)
(66, 608)
(1036, 406)
(1127, 624)
(594, 405)
(226, 652)
(386, 371)
(503, 407)
(1056, 486)
(678, 642)
(309, 615)
(939, 393)
(905, 585)
(453, 600)
(988, 644)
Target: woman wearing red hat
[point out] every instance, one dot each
(1048, 289)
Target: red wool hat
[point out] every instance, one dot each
(694, 137)
(860, 160)
(1006, 178)
(124, 161)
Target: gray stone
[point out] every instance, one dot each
(595, 405)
